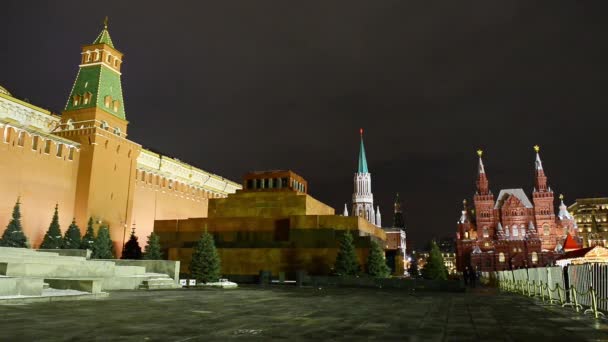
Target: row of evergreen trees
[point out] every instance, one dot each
(101, 245)
(347, 263)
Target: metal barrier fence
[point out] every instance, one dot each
(576, 286)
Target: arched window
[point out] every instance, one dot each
(515, 231)
(107, 101)
(21, 139)
(96, 55)
(35, 140)
(76, 100)
(87, 57)
(546, 230)
(69, 124)
(485, 232)
(117, 131)
(116, 105)
(104, 125)
(501, 257)
(466, 235)
(534, 257)
(86, 98)
(71, 153)
(59, 150)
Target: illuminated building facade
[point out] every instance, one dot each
(591, 216)
(84, 162)
(512, 231)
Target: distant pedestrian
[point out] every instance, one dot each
(465, 275)
(472, 278)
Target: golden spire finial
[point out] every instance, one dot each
(105, 22)
(479, 152)
(561, 197)
(536, 148)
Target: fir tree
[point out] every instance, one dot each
(152, 250)
(346, 260)
(413, 268)
(376, 264)
(205, 264)
(52, 238)
(89, 237)
(434, 267)
(103, 248)
(71, 239)
(131, 250)
(13, 235)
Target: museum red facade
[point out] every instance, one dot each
(509, 231)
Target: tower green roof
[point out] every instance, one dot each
(104, 35)
(98, 85)
(362, 160)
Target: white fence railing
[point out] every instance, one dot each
(577, 286)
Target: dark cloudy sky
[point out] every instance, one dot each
(234, 86)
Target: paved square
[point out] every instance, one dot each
(252, 313)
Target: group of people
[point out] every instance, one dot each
(470, 276)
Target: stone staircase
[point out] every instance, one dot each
(28, 272)
(158, 283)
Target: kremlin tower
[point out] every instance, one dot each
(363, 199)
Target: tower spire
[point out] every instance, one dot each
(563, 210)
(363, 199)
(104, 35)
(398, 221)
(540, 181)
(362, 159)
(538, 163)
(481, 168)
(482, 179)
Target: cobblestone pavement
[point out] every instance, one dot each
(252, 313)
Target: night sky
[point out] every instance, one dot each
(236, 86)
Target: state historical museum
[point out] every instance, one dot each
(510, 231)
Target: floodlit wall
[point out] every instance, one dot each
(32, 169)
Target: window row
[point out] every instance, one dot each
(95, 56)
(108, 103)
(84, 99)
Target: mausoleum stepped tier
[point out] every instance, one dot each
(25, 272)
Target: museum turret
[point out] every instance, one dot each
(544, 212)
(484, 203)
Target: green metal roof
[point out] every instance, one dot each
(100, 81)
(104, 37)
(362, 160)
